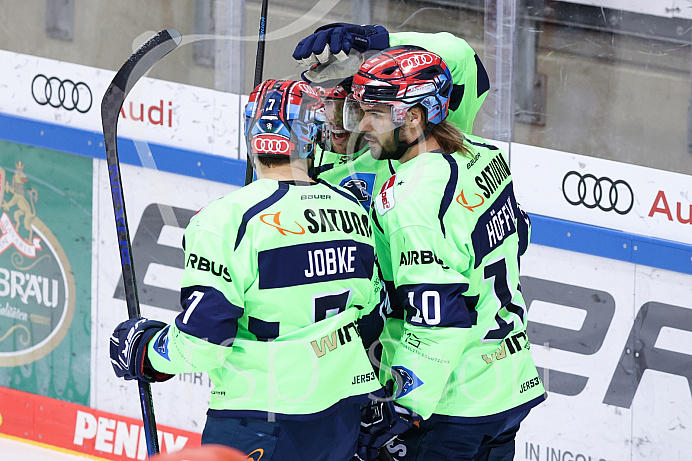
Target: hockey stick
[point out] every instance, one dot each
(259, 67)
(134, 68)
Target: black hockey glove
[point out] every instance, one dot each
(129, 350)
(381, 421)
(337, 40)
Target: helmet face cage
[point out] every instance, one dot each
(281, 119)
(402, 77)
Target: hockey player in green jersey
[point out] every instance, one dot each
(277, 275)
(449, 235)
(345, 159)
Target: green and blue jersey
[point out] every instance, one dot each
(455, 339)
(276, 277)
(456, 330)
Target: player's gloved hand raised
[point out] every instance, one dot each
(128, 350)
(381, 421)
(337, 40)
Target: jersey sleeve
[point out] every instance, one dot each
(438, 313)
(212, 297)
(471, 81)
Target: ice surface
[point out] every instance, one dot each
(15, 450)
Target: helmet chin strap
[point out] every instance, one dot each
(402, 147)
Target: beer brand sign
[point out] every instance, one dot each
(37, 289)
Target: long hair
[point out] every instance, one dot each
(449, 138)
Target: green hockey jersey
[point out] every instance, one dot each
(449, 236)
(276, 277)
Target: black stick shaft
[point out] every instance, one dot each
(259, 68)
(259, 58)
(134, 68)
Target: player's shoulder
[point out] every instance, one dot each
(228, 209)
(339, 195)
(480, 152)
(478, 143)
(415, 190)
(424, 168)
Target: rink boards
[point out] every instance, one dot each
(609, 287)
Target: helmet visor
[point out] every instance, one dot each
(373, 117)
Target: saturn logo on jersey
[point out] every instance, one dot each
(493, 175)
(256, 455)
(463, 202)
(276, 223)
(385, 199)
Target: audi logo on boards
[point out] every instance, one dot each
(273, 145)
(603, 192)
(57, 93)
(416, 60)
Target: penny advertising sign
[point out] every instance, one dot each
(45, 288)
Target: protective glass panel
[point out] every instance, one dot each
(590, 99)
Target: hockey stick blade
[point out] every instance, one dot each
(134, 68)
(129, 74)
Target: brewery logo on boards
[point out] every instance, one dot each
(37, 289)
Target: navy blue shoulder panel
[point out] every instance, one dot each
(482, 79)
(449, 190)
(258, 208)
(213, 319)
(481, 144)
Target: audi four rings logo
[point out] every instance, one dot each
(603, 192)
(62, 93)
(271, 146)
(416, 60)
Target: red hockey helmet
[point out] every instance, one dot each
(401, 77)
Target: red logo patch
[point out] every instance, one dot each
(385, 199)
(271, 144)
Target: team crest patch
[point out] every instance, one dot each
(161, 344)
(406, 381)
(385, 199)
(361, 185)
